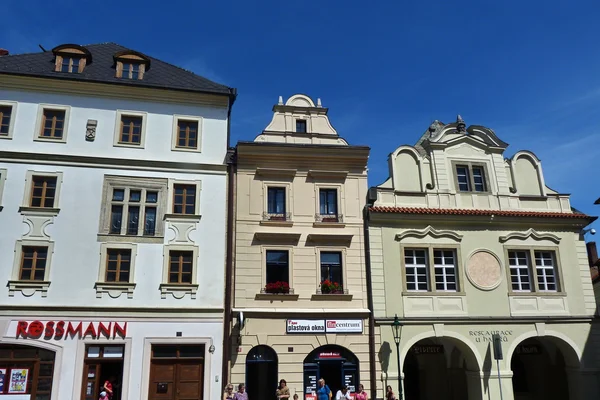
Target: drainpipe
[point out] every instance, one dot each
(231, 164)
(372, 372)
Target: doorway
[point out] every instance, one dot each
(177, 372)
(261, 373)
(102, 363)
(337, 365)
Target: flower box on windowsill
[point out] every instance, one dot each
(276, 296)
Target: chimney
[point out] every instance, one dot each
(592, 252)
(3, 52)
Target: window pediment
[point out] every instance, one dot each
(429, 231)
(531, 233)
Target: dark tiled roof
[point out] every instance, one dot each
(101, 69)
(476, 212)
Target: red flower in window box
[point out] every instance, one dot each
(277, 287)
(330, 287)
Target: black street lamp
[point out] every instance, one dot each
(396, 332)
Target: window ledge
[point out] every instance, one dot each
(430, 294)
(1, 208)
(51, 140)
(276, 296)
(28, 288)
(187, 149)
(8, 137)
(114, 289)
(183, 217)
(277, 223)
(332, 296)
(131, 146)
(42, 211)
(130, 238)
(537, 294)
(329, 225)
(178, 291)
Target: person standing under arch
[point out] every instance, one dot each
(323, 392)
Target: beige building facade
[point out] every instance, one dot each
(300, 309)
(465, 245)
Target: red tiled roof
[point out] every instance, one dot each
(477, 212)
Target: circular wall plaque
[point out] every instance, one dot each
(484, 270)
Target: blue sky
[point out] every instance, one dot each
(386, 70)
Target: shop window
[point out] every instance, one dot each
(102, 364)
(27, 371)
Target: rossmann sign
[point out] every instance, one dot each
(324, 326)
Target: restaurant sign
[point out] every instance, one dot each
(324, 326)
(58, 330)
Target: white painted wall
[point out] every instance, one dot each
(159, 128)
(76, 258)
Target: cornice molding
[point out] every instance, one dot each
(279, 172)
(104, 162)
(96, 89)
(431, 231)
(530, 233)
(277, 237)
(337, 175)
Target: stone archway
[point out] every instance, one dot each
(540, 368)
(440, 367)
(261, 373)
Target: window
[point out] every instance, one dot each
(276, 201)
(39, 362)
(328, 205)
(277, 266)
(31, 267)
(180, 266)
(127, 206)
(187, 134)
(131, 130)
(179, 271)
(525, 278)
(118, 265)
(33, 263)
(301, 126)
(53, 124)
(43, 191)
(70, 64)
(2, 180)
(5, 119)
(131, 70)
(133, 207)
(331, 266)
(471, 178)
(419, 269)
(117, 268)
(184, 199)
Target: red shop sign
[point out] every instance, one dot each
(329, 355)
(58, 330)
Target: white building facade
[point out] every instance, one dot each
(112, 226)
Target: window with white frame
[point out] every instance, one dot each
(180, 271)
(133, 207)
(471, 178)
(31, 267)
(7, 118)
(130, 129)
(533, 270)
(42, 192)
(419, 270)
(53, 122)
(187, 133)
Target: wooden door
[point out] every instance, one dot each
(91, 376)
(176, 380)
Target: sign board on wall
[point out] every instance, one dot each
(324, 326)
(60, 330)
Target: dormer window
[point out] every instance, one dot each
(131, 71)
(70, 64)
(301, 125)
(71, 58)
(131, 65)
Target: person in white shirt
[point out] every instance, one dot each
(343, 394)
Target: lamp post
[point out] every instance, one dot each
(396, 332)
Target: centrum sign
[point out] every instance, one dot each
(324, 326)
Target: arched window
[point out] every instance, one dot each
(132, 65)
(71, 58)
